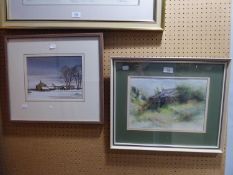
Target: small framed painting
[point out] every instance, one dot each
(91, 14)
(168, 104)
(56, 77)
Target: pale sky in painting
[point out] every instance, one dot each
(149, 84)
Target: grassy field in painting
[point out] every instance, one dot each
(175, 107)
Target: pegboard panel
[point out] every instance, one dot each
(199, 28)
(192, 29)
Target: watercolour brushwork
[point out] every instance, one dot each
(51, 78)
(177, 104)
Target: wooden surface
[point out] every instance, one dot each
(199, 28)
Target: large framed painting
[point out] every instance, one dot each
(55, 77)
(106, 14)
(168, 104)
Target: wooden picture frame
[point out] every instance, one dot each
(115, 14)
(168, 104)
(58, 77)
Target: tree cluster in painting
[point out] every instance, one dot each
(70, 74)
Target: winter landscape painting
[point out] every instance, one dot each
(54, 78)
(173, 104)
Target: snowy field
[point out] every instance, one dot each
(56, 95)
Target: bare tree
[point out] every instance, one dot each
(67, 75)
(77, 75)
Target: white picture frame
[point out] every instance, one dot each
(44, 68)
(114, 14)
(153, 127)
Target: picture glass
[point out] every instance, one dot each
(82, 2)
(167, 103)
(134, 13)
(54, 78)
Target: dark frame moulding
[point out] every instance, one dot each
(6, 95)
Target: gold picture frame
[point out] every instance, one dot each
(155, 24)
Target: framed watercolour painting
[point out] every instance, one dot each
(106, 14)
(56, 77)
(168, 104)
